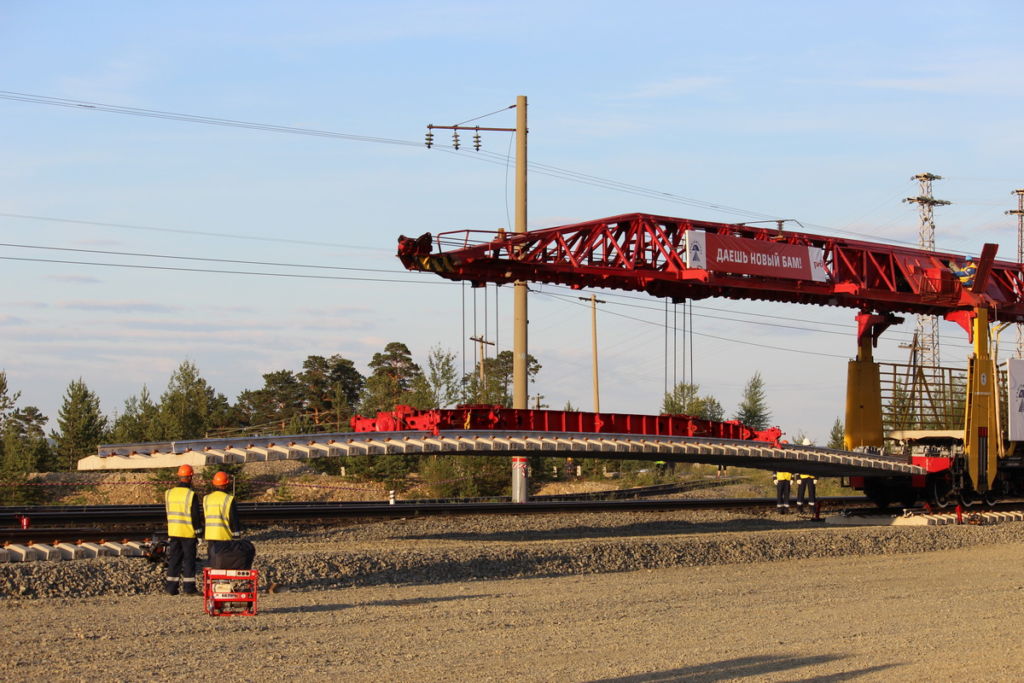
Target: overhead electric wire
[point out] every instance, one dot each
(484, 116)
(381, 270)
(710, 336)
(716, 317)
(194, 118)
(203, 258)
(540, 168)
(224, 272)
(850, 326)
(182, 231)
(483, 155)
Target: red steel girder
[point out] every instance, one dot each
(644, 252)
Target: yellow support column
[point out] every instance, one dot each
(982, 440)
(863, 399)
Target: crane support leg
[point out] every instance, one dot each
(863, 400)
(863, 384)
(982, 438)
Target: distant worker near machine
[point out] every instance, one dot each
(184, 524)
(222, 527)
(806, 483)
(782, 483)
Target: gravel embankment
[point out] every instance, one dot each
(437, 550)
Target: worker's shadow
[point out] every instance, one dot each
(406, 602)
(748, 667)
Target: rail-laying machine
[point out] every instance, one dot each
(688, 259)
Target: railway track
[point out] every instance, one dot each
(47, 523)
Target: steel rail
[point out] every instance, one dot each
(286, 512)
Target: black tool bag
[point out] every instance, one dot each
(233, 555)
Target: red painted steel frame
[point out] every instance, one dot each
(492, 417)
(646, 253)
(226, 604)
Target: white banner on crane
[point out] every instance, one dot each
(1015, 398)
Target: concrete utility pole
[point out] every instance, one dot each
(927, 325)
(594, 301)
(519, 343)
(520, 397)
(1019, 213)
(483, 356)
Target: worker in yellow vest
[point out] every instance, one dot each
(184, 524)
(806, 484)
(782, 483)
(222, 527)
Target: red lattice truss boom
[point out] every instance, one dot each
(642, 252)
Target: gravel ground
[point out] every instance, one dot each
(682, 596)
(442, 549)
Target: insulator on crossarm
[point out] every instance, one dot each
(476, 140)
(430, 139)
(455, 139)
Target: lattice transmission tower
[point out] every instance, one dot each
(927, 325)
(1019, 213)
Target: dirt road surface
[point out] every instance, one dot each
(949, 615)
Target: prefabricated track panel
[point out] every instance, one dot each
(734, 453)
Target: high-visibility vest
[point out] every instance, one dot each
(178, 501)
(806, 476)
(783, 476)
(217, 511)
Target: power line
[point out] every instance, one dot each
(484, 155)
(200, 258)
(194, 118)
(224, 272)
(710, 336)
(848, 327)
(181, 231)
(718, 317)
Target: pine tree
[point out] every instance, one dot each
(23, 444)
(189, 407)
(391, 379)
(753, 409)
(330, 387)
(837, 437)
(82, 425)
(138, 421)
(684, 399)
(27, 427)
(496, 387)
(7, 400)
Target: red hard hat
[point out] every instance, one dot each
(221, 479)
(185, 472)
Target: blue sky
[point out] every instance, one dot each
(820, 112)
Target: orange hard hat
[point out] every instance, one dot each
(185, 472)
(221, 479)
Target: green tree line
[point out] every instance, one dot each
(322, 395)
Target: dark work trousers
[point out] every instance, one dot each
(181, 565)
(806, 486)
(782, 487)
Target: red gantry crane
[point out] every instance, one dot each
(680, 259)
